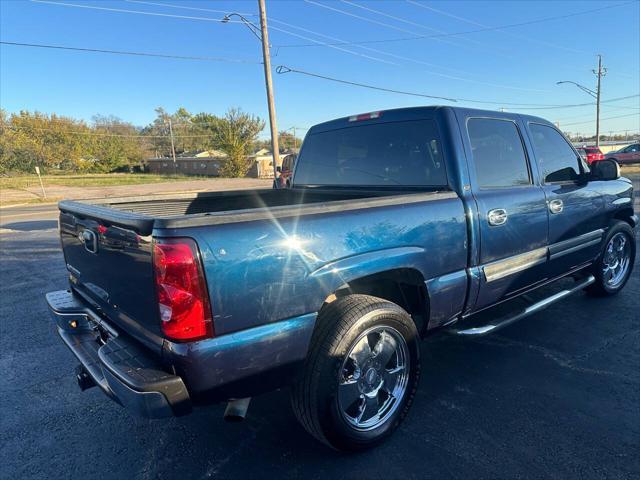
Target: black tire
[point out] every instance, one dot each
(601, 288)
(314, 395)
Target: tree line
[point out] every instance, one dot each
(110, 144)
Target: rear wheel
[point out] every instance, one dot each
(361, 373)
(615, 263)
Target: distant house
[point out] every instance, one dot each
(203, 154)
(208, 162)
(205, 163)
(263, 164)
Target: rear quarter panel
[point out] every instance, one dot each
(263, 271)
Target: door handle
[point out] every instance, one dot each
(89, 239)
(556, 206)
(497, 216)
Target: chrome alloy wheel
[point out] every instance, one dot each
(374, 377)
(616, 260)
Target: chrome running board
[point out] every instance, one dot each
(530, 310)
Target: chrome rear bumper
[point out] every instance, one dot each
(121, 368)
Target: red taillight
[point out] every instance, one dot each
(183, 300)
(592, 157)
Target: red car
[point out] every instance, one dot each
(630, 154)
(590, 154)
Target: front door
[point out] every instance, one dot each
(512, 209)
(576, 208)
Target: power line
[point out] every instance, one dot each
(170, 5)
(184, 7)
(283, 69)
(208, 19)
(374, 50)
(401, 57)
(124, 52)
(137, 12)
(311, 32)
(409, 22)
(607, 118)
(376, 22)
(370, 20)
(580, 104)
(472, 22)
(358, 54)
(580, 117)
(622, 107)
(484, 29)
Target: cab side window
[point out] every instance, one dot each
(557, 160)
(498, 154)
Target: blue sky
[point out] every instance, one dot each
(515, 65)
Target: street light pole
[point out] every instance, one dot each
(269, 84)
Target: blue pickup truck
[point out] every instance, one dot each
(398, 224)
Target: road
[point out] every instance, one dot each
(28, 218)
(554, 396)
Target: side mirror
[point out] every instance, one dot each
(606, 169)
(279, 169)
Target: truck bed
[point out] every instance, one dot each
(142, 214)
(107, 246)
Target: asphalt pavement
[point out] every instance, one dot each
(554, 396)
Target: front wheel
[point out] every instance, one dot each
(361, 373)
(613, 267)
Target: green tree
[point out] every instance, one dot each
(115, 145)
(235, 134)
(189, 132)
(287, 141)
(36, 139)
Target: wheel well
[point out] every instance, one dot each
(404, 287)
(625, 215)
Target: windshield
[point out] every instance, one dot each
(382, 154)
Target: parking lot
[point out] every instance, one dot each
(554, 396)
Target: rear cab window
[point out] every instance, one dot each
(391, 154)
(498, 153)
(557, 160)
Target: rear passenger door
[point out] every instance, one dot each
(576, 208)
(512, 212)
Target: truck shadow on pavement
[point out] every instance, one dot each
(31, 225)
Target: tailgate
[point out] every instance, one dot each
(111, 267)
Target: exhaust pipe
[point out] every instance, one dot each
(236, 410)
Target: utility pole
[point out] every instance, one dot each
(173, 149)
(269, 84)
(600, 73)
